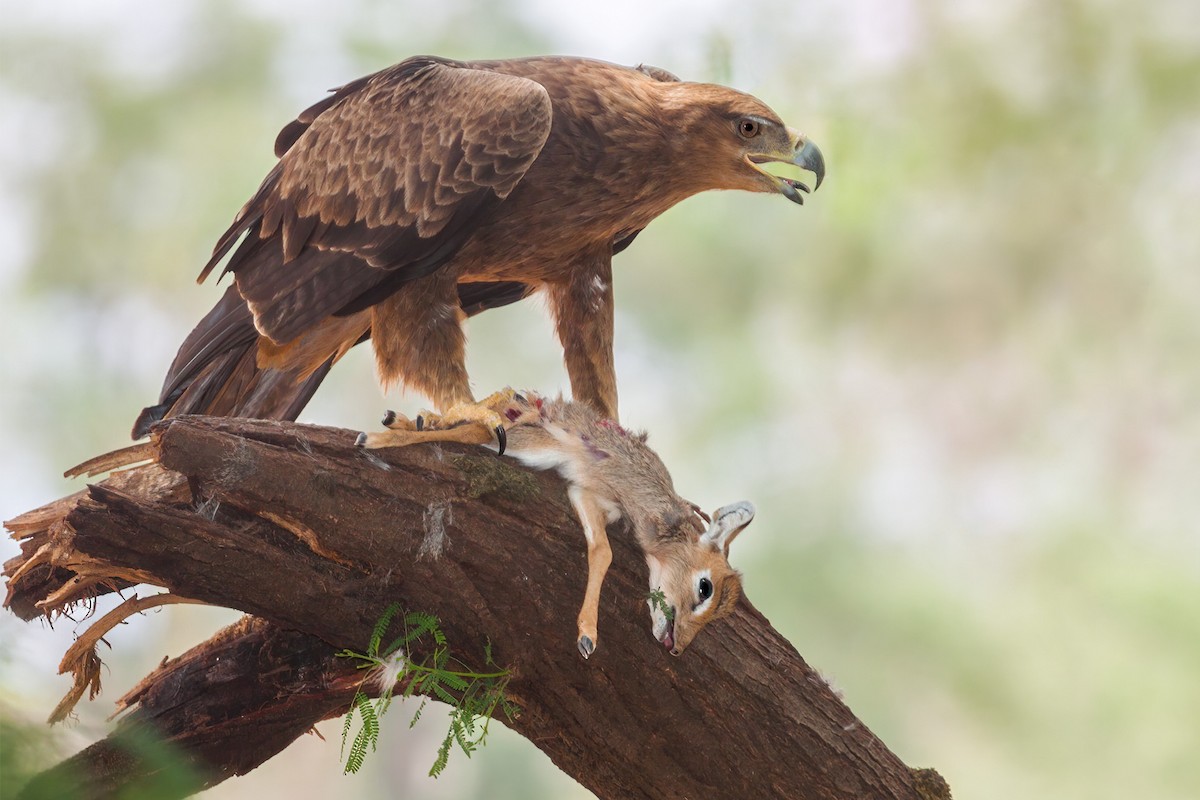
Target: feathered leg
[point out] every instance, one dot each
(583, 315)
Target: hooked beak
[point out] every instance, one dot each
(804, 154)
(808, 156)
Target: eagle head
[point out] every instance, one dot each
(732, 134)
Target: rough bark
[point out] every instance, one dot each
(315, 538)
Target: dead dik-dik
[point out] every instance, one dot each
(613, 474)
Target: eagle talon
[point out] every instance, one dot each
(361, 439)
(389, 417)
(502, 438)
(420, 422)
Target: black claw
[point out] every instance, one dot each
(389, 417)
(361, 440)
(502, 437)
(520, 398)
(586, 646)
(420, 422)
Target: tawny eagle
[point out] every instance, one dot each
(413, 198)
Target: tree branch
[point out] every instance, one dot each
(292, 524)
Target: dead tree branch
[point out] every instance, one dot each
(315, 538)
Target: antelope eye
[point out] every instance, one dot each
(706, 589)
(748, 128)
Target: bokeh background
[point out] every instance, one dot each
(961, 384)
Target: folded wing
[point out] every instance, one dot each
(379, 185)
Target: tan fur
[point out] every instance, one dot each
(613, 474)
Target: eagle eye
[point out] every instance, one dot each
(747, 127)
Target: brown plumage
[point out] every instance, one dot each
(433, 190)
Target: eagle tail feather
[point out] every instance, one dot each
(216, 373)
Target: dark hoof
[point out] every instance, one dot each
(389, 417)
(361, 440)
(502, 438)
(586, 646)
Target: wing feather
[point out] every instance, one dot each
(292, 131)
(475, 298)
(378, 185)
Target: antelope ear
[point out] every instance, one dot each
(727, 522)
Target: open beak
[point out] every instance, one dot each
(808, 156)
(804, 154)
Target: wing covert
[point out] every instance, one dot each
(378, 185)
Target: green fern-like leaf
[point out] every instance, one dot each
(381, 626)
(370, 720)
(658, 599)
(459, 732)
(355, 761)
(487, 653)
(474, 697)
(441, 694)
(417, 624)
(443, 757)
(358, 748)
(349, 721)
(511, 709)
(455, 682)
(358, 752)
(417, 714)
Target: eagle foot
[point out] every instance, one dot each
(399, 422)
(468, 423)
(488, 415)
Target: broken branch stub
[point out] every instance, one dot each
(315, 537)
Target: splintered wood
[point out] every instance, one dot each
(294, 525)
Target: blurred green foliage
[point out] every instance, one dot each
(28, 748)
(960, 383)
(25, 749)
